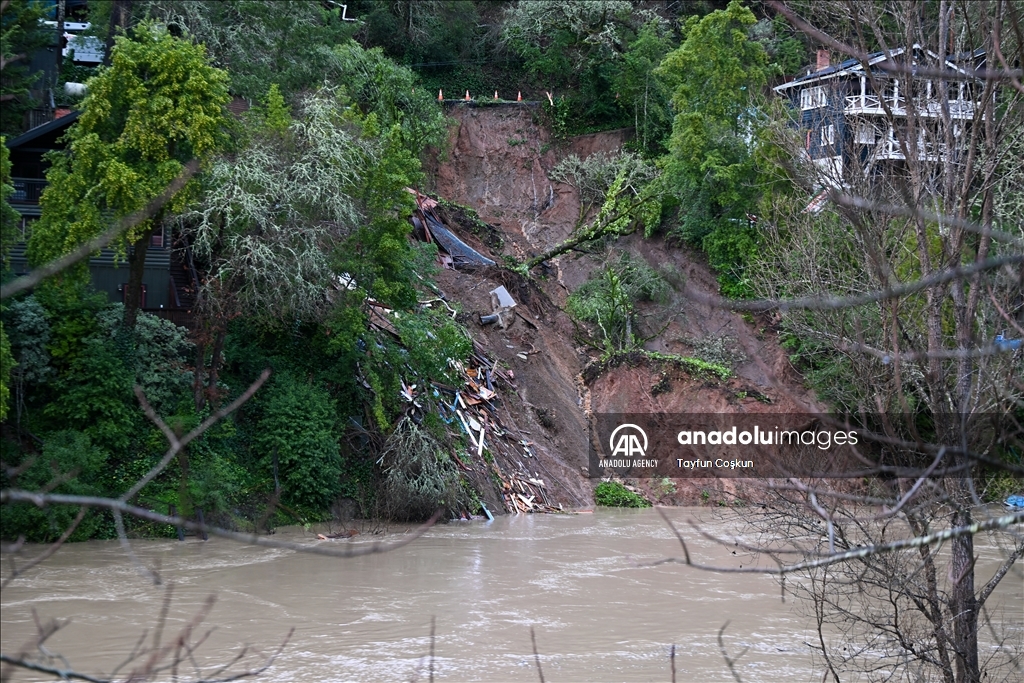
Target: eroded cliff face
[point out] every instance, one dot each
(499, 162)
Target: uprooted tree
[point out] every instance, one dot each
(624, 185)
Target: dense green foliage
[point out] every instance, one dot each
(9, 220)
(295, 438)
(613, 494)
(20, 36)
(715, 74)
(158, 106)
(298, 224)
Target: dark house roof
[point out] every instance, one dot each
(959, 62)
(46, 135)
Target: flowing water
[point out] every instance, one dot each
(578, 580)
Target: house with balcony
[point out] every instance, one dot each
(169, 279)
(854, 115)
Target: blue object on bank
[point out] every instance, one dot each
(1015, 502)
(1004, 344)
(490, 517)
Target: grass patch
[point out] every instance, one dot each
(614, 495)
(693, 366)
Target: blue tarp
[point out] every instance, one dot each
(462, 254)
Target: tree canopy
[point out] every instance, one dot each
(716, 74)
(159, 105)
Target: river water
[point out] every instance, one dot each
(578, 580)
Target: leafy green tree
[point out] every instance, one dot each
(629, 192)
(9, 219)
(273, 216)
(159, 356)
(641, 92)
(20, 35)
(159, 105)
(288, 42)
(715, 74)
(305, 220)
(94, 396)
(575, 50)
(301, 47)
(295, 441)
(559, 39)
(422, 31)
(381, 87)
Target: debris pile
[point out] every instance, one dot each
(502, 304)
(428, 227)
(497, 447)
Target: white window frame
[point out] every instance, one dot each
(828, 135)
(865, 133)
(813, 98)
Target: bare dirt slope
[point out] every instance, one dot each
(498, 164)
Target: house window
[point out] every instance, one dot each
(123, 288)
(865, 133)
(157, 238)
(813, 98)
(828, 135)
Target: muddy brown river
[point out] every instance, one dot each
(578, 580)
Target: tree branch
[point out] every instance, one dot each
(818, 303)
(856, 554)
(83, 251)
(350, 550)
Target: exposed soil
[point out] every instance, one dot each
(498, 164)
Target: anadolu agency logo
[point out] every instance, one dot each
(628, 445)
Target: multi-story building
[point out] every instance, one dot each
(168, 280)
(858, 117)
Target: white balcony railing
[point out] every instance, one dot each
(890, 149)
(872, 104)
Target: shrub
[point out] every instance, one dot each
(297, 425)
(614, 495)
(70, 464)
(420, 477)
(608, 302)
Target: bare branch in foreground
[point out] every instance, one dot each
(730, 661)
(889, 65)
(536, 655)
(26, 282)
(153, 662)
(349, 550)
(1003, 522)
(818, 303)
(853, 202)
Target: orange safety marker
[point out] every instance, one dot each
(519, 97)
(467, 98)
(440, 96)
(495, 94)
